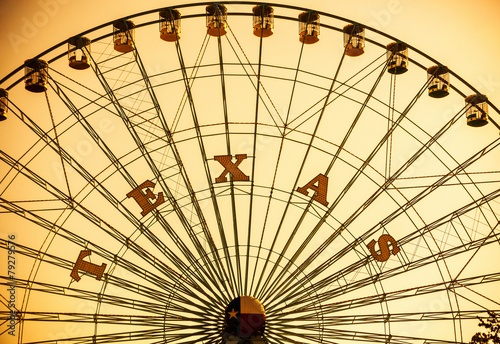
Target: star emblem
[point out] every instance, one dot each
(232, 314)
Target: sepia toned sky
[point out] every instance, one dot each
(460, 34)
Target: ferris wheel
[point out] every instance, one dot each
(239, 172)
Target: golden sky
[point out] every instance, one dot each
(461, 34)
(458, 33)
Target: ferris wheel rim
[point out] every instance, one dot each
(192, 128)
(277, 5)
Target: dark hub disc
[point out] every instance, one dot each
(244, 318)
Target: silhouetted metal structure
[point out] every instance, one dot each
(124, 35)
(397, 57)
(170, 25)
(309, 26)
(150, 192)
(4, 104)
(35, 75)
(263, 20)
(79, 52)
(477, 110)
(439, 81)
(354, 40)
(216, 15)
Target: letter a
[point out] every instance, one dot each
(143, 198)
(320, 191)
(225, 161)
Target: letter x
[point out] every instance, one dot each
(226, 161)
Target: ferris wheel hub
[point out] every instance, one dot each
(245, 317)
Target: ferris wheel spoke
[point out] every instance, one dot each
(471, 246)
(341, 289)
(56, 136)
(92, 133)
(299, 173)
(383, 140)
(466, 246)
(252, 176)
(402, 209)
(154, 169)
(331, 321)
(369, 95)
(71, 89)
(393, 297)
(184, 302)
(187, 184)
(234, 214)
(118, 337)
(171, 283)
(267, 260)
(171, 323)
(197, 66)
(99, 222)
(119, 283)
(305, 303)
(259, 83)
(294, 85)
(336, 91)
(306, 210)
(232, 280)
(284, 335)
(469, 186)
(373, 337)
(357, 117)
(494, 179)
(164, 269)
(57, 290)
